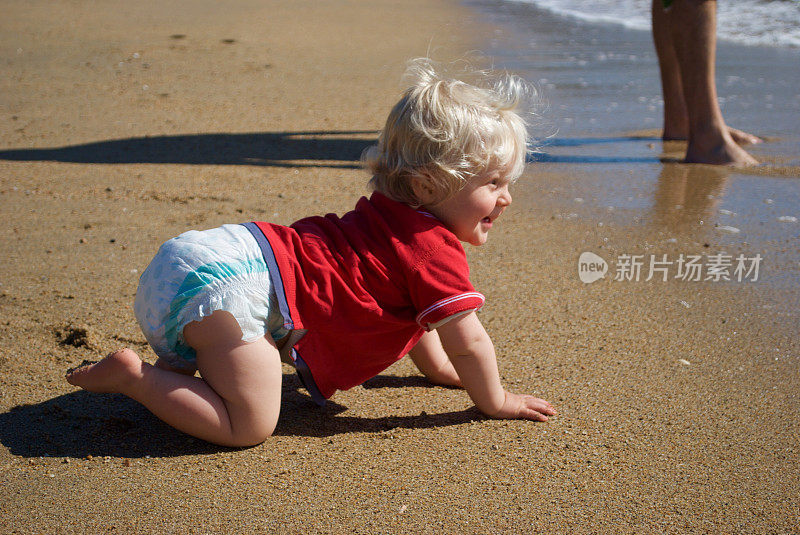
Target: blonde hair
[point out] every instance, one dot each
(445, 131)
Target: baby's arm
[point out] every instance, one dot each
(472, 353)
(432, 361)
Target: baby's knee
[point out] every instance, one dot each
(252, 427)
(251, 436)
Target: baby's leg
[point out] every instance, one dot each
(114, 374)
(246, 377)
(164, 365)
(235, 403)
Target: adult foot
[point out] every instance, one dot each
(726, 153)
(738, 137)
(110, 374)
(743, 138)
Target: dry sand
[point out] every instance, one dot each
(154, 117)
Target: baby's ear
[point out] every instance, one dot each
(423, 190)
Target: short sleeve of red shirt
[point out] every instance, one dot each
(439, 283)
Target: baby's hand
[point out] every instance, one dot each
(523, 406)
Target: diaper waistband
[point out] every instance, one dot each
(288, 352)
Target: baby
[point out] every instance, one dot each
(340, 298)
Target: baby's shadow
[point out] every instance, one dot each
(81, 423)
(395, 381)
(313, 421)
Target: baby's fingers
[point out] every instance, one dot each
(537, 409)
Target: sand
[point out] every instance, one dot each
(127, 123)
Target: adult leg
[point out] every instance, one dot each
(692, 25)
(676, 117)
(676, 122)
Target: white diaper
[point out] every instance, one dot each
(198, 273)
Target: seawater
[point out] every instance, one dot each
(601, 78)
(600, 82)
(752, 22)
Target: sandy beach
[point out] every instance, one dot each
(126, 124)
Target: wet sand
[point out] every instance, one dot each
(126, 125)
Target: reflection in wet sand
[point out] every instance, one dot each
(688, 194)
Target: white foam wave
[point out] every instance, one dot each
(752, 22)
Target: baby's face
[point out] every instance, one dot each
(469, 214)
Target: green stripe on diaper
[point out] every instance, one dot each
(193, 284)
(666, 3)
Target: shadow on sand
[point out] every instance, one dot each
(81, 423)
(339, 149)
(541, 154)
(315, 148)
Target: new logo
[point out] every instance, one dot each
(591, 267)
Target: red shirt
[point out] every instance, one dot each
(365, 286)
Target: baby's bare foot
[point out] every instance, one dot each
(111, 374)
